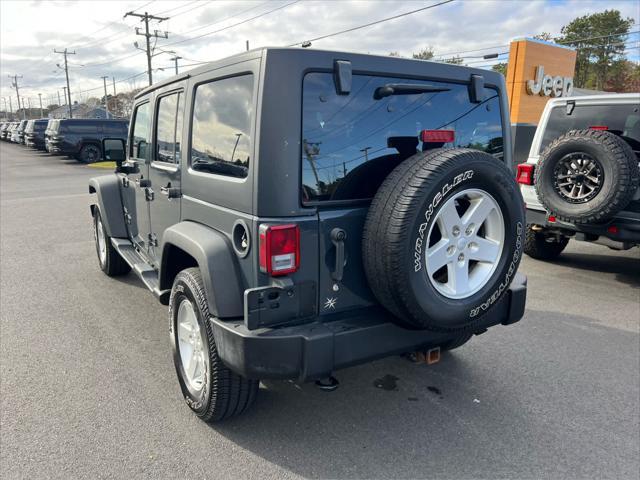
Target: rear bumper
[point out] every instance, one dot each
(314, 350)
(626, 223)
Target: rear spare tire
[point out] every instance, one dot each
(586, 176)
(443, 238)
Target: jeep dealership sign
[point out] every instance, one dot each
(546, 85)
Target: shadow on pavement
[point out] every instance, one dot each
(626, 268)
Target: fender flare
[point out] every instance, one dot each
(109, 202)
(216, 259)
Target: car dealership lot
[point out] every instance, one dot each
(84, 362)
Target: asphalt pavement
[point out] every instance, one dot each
(88, 388)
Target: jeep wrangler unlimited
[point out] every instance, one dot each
(582, 178)
(301, 211)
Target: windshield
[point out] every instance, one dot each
(621, 119)
(351, 142)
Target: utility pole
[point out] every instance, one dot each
(66, 72)
(59, 102)
(15, 84)
(41, 111)
(106, 99)
(28, 103)
(156, 34)
(11, 107)
(114, 86)
(175, 59)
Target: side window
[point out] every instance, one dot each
(169, 128)
(140, 134)
(220, 135)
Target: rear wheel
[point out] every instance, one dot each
(541, 245)
(210, 389)
(90, 154)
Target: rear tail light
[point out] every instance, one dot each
(598, 127)
(525, 173)
(613, 229)
(437, 136)
(552, 219)
(279, 249)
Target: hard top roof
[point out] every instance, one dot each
(259, 52)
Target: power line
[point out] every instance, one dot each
(235, 24)
(560, 43)
(372, 23)
(223, 19)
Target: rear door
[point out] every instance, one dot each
(137, 190)
(351, 143)
(164, 169)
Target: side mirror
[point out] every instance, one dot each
(114, 150)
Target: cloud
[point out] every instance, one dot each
(98, 33)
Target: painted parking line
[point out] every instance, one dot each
(107, 165)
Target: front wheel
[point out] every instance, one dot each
(109, 259)
(210, 389)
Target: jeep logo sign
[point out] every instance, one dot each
(546, 85)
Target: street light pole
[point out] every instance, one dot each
(41, 111)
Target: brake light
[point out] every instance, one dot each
(552, 219)
(437, 136)
(598, 127)
(279, 249)
(525, 173)
(613, 229)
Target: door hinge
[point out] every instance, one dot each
(127, 217)
(148, 194)
(153, 240)
(125, 182)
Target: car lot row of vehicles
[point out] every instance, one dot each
(78, 138)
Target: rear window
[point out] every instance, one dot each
(350, 143)
(622, 119)
(221, 127)
(115, 128)
(79, 127)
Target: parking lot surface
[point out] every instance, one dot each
(88, 387)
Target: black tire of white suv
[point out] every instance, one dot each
(443, 239)
(209, 387)
(586, 176)
(543, 246)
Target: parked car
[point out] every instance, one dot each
(34, 133)
(5, 129)
(5, 134)
(51, 126)
(17, 135)
(296, 211)
(582, 178)
(82, 138)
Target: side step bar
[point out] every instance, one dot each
(146, 272)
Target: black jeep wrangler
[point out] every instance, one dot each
(301, 211)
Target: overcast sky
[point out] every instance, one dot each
(96, 30)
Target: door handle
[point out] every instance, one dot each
(338, 236)
(143, 182)
(170, 192)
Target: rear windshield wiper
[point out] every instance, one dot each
(405, 89)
